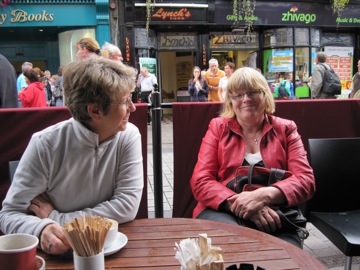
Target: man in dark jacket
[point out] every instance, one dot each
(8, 92)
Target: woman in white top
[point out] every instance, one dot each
(229, 69)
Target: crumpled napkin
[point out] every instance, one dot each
(199, 254)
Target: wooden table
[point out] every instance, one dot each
(152, 241)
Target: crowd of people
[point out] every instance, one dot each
(45, 90)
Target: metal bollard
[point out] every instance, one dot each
(157, 152)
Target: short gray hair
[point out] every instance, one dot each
(26, 65)
(96, 81)
(213, 61)
(321, 56)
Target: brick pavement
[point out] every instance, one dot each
(317, 244)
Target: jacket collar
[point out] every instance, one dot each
(234, 125)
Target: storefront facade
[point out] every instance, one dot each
(285, 38)
(45, 32)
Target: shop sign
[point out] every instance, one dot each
(171, 15)
(145, 40)
(165, 15)
(234, 41)
(293, 16)
(291, 13)
(127, 50)
(204, 55)
(340, 59)
(21, 16)
(47, 15)
(177, 41)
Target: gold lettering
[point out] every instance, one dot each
(21, 16)
(18, 16)
(2, 18)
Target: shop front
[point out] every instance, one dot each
(45, 33)
(284, 39)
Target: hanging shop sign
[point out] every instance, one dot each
(149, 63)
(127, 50)
(47, 15)
(291, 14)
(145, 40)
(229, 40)
(177, 41)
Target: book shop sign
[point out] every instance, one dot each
(21, 16)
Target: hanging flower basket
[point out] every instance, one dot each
(243, 10)
(338, 6)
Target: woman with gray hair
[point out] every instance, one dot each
(247, 133)
(90, 164)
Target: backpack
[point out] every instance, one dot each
(282, 93)
(331, 82)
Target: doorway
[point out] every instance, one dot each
(175, 70)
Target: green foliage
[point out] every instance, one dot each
(244, 9)
(338, 6)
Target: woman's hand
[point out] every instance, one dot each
(266, 219)
(41, 206)
(53, 240)
(246, 203)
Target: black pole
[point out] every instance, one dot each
(157, 153)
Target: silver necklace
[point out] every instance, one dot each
(256, 141)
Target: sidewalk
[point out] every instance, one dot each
(316, 244)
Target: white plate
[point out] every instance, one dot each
(120, 241)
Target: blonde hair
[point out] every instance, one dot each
(91, 45)
(247, 79)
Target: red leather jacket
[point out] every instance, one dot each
(223, 150)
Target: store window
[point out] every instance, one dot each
(277, 62)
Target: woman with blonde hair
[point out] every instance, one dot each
(247, 133)
(88, 48)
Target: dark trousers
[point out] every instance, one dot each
(145, 97)
(210, 214)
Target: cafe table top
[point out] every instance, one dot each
(151, 245)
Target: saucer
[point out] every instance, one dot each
(119, 242)
(40, 263)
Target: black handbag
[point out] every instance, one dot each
(248, 178)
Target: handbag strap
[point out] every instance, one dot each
(303, 233)
(274, 176)
(250, 173)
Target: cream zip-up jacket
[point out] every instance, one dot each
(78, 174)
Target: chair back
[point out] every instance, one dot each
(336, 165)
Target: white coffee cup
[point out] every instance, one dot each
(112, 233)
(18, 252)
(96, 262)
